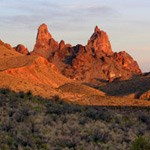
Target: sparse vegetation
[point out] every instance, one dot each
(140, 143)
(31, 122)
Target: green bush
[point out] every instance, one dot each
(141, 143)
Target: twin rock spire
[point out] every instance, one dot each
(45, 42)
(96, 60)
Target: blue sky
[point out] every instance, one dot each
(126, 22)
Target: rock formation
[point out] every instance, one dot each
(22, 49)
(5, 45)
(45, 44)
(99, 42)
(61, 44)
(125, 60)
(19, 48)
(93, 62)
(145, 95)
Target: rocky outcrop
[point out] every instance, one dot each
(22, 49)
(19, 48)
(93, 62)
(126, 61)
(61, 44)
(8, 46)
(99, 42)
(145, 95)
(45, 44)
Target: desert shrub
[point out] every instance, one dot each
(12, 143)
(2, 101)
(38, 100)
(95, 135)
(97, 114)
(58, 110)
(140, 143)
(21, 94)
(32, 122)
(145, 119)
(83, 120)
(124, 121)
(65, 142)
(11, 113)
(56, 98)
(4, 91)
(22, 114)
(63, 119)
(6, 127)
(100, 136)
(29, 95)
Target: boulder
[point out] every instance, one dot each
(22, 49)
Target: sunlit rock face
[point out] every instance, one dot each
(127, 62)
(99, 42)
(93, 62)
(45, 44)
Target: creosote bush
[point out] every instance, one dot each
(31, 122)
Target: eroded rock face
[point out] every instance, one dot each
(96, 61)
(125, 60)
(22, 49)
(92, 62)
(45, 44)
(99, 42)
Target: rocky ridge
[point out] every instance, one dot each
(22, 49)
(90, 63)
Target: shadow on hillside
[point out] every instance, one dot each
(15, 98)
(137, 85)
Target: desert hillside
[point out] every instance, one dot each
(20, 72)
(34, 73)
